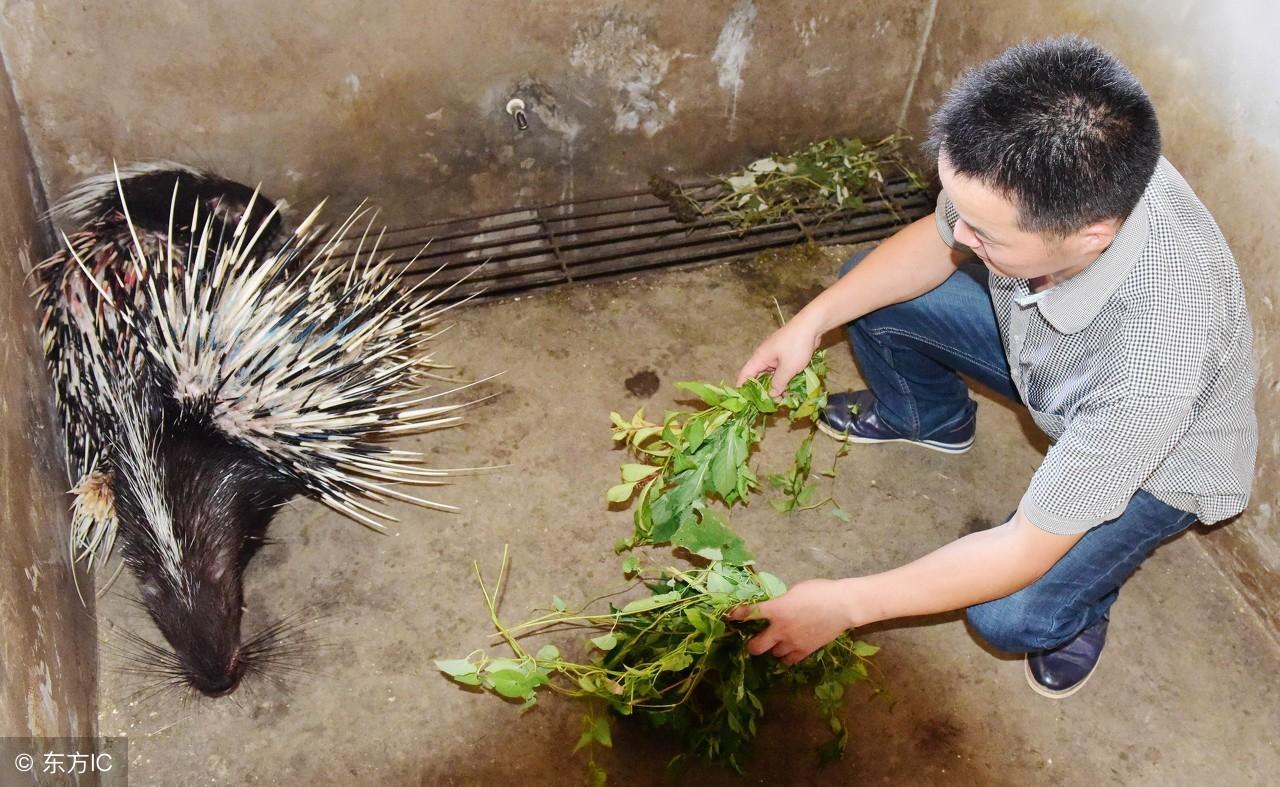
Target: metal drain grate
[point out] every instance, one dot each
(617, 235)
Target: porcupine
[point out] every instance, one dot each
(204, 379)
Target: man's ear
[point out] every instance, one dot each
(1095, 238)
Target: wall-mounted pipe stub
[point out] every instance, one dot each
(515, 108)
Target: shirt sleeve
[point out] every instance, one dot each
(1102, 458)
(946, 216)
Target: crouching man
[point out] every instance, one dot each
(1071, 269)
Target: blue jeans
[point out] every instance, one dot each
(912, 355)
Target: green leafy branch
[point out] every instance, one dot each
(669, 658)
(691, 458)
(799, 489)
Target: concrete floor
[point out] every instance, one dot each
(1189, 692)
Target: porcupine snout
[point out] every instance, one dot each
(188, 533)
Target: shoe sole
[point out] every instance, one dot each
(1050, 693)
(945, 448)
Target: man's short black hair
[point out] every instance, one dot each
(1057, 126)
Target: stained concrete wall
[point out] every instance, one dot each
(47, 643)
(1210, 70)
(403, 101)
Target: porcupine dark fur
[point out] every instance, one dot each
(205, 377)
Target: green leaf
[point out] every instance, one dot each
(675, 504)
(853, 672)
(621, 492)
(605, 641)
(514, 683)
(755, 393)
(709, 532)
(746, 482)
(864, 650)
(705, 624)
(725, 463)
(811, 382)
(699, 621)
(806, 494)
(548, 653)
(839, 513)
(631, 565)
(772, 585)
(718, 583)
(738, 553)
(634, 472)
(707, 393)
(645, 433)
(718, 420)
(558, 603)
(456, 667)
(675, 662)
(595, 729)
(650, 602)
(668, 436)
(596, 776)
(829, 692)
(804, 454)
(694, 434)
(734, 403)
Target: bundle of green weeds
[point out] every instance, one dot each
(670, 657)
(827, 176)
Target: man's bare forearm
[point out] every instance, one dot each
(977, 568)
(907, 265)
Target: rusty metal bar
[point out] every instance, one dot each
(555, 247)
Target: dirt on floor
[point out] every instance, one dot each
(1188, 692)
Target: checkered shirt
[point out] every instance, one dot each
(1139, 368)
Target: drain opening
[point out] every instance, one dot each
(616, 235)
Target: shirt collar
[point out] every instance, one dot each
(1071, 305)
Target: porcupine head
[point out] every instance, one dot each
(217, 499)
(248, 381)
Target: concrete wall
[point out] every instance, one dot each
(403, 101)
(1210, 70)
(47, 643)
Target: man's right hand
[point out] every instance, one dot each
(785, 353)
(909, 264)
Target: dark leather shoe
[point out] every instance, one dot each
(1062, 671)
(852, 417)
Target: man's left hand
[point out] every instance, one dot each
(803, 619)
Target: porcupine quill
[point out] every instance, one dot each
(205, 378)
